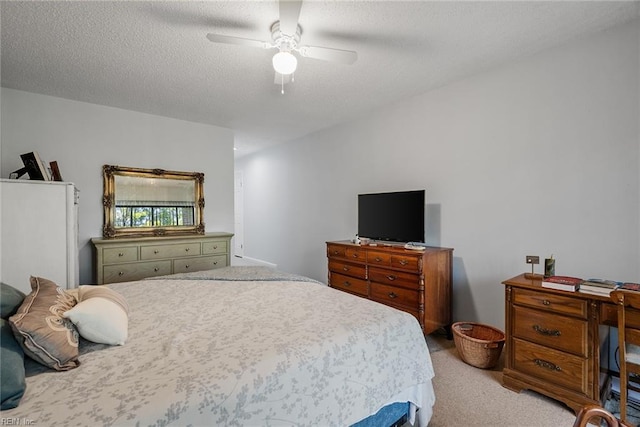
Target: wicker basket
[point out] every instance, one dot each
(478, 345)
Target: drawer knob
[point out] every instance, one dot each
(347, 283)
(215, 246)
(336, 252)
(121, 273)
(186, 249)
(548, 332)
(404, 262)
(156, 251)
(355, 255)
(120, 254)
(345, 268)
(547, 365)
(156, 269)
(186, 266)
(378, 259)
(391, 277)
(546, 302)
(215, 262)
(392, 295)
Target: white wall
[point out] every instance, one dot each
(537, 157)
(82, 137)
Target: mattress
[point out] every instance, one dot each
(239, 347)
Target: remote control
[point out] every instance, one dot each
(414, 246)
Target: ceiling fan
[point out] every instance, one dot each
(285, 37)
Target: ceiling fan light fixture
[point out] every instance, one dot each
(285, 63)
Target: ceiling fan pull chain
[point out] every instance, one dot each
(282, 83)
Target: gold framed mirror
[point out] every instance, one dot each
(151, 202)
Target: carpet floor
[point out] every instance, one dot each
(469, 396)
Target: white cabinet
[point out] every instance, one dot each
(39, 232)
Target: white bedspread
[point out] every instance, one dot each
(239, 353)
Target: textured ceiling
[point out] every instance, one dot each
(154, 57)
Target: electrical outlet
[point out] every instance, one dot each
(532, 259)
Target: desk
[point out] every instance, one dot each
(557, 342)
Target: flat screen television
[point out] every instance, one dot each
(396, 216)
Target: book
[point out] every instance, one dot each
(599, 286)
(601, 283)
(630, 286)
(596, 291)
(562, 283)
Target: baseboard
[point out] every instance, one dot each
(236, 260)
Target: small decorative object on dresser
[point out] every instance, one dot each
(418, 282)
(127, 259)
(549, 266)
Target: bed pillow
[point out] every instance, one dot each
(101, 315)
(13, 383)
(40, 329)
(10, 300)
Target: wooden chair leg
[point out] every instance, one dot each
(623, 393)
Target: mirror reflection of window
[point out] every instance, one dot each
(154, 202)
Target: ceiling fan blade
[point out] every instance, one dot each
(328, 54)
(218, 38)
(281, 79)
(289, 14)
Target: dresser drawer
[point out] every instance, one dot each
(552, 330)
(556, 367)
(394, 296)
(338, 251)
(135, 271)
(395, 278)
(350, 284)
(409, 263)
(379, 258)
(119, 254)
(169, 251)
(353, 270)
(186, 265)
(215, 247)
(551, 302)
(609, 315)
(356, 254)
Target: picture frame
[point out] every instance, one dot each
(55, 171)
(33, 166)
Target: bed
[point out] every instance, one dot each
(241, 346)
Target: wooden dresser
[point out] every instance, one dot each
(557, 342)
(126, 259)
(418, 282)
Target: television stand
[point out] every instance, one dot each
(418, 282)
